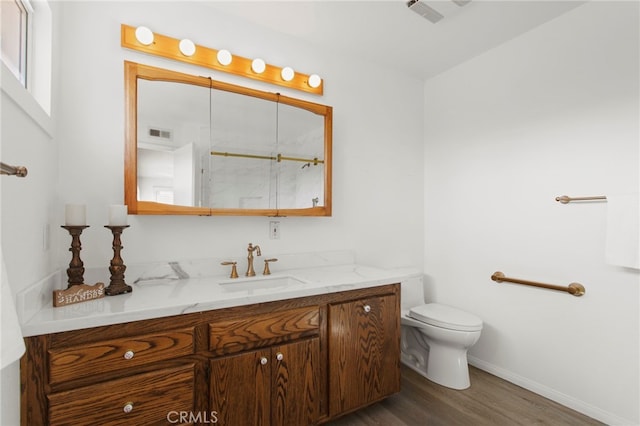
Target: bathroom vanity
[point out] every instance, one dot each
(301, 353)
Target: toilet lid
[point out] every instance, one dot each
(446, 317)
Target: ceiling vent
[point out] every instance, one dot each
(428, 12)
(425, 11)
(160, 133)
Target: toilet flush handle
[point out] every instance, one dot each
(367, 308)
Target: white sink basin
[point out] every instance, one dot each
(262, 282)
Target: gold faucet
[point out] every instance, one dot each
(251, 249)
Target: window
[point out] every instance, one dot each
(16, 17)
(26, 56)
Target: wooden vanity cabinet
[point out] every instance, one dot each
(111, 375)
(300, 361)
(277, 386)
(364, 352)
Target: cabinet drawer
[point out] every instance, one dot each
(146, 398)
(110, 355)
(261, 330)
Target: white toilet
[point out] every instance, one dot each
(435, 338)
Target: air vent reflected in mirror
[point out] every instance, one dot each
(160, 133)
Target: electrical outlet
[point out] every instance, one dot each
(274, 230)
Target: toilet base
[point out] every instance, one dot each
(443, 365)
(448, 367)
(458, 381)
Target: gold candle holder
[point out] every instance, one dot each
(75, 272)
(117, 268)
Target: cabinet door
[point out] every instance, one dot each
(240, 388)
(364, 352)
(295, 391)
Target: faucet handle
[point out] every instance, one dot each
(266, 265)
(234, 270)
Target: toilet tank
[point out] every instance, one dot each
(411, 293)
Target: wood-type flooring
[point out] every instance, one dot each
(489, 401)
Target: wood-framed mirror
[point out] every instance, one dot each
(196, 146)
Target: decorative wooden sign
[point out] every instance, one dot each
(78, 293)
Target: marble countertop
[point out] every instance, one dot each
(174, 290)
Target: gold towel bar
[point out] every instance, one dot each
(6, 169)
(565, 199)
(575, 289)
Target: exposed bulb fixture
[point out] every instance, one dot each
(314, 80)
(144, 35)
(187, 47)
(258, 66)
(185, 50)
(287, 73)
(224, 57)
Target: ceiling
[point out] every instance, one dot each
(389, 31)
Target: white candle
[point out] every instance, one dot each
(75, 215)
(117, 215)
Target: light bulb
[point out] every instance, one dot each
(224, 57)
(258, 66)
(287, 73)
(314, 80)
(144, 35)
(187, 47)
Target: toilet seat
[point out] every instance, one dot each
(446, 317)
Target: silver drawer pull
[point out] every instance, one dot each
(128, 407)
(128, 354)
(279, 356)
(367, 308)
(264, 360)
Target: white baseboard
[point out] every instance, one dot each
(552, 394)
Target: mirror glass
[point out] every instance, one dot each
(198, 146)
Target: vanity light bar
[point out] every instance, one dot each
(177, 49)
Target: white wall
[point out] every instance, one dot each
(552, 112)
(377, 191)
(26, 204)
